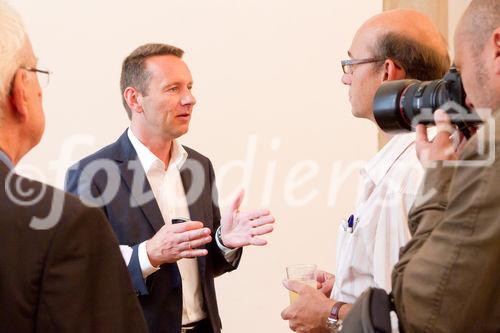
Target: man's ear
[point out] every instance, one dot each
(18, 95)
(392, 71)
(496, 41)
(133, 99)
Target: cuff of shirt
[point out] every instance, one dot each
(126, 253)
(146, 267)
(229, 254)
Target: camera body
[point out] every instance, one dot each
(400, 105)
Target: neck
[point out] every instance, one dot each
(158, 145)
(383, 138)
(386, 136)
(12, 144)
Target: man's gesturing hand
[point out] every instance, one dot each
(241, 228)
(176, 241)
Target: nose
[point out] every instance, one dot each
(346, 79)
(188, 99)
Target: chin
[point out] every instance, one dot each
(180, 132)
(36, 136)
(362, 114)
(357, 114)
(37, 140)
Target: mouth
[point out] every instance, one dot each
(184, 115)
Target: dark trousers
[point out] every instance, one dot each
(203, 326)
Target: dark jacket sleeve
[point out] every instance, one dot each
(81, 185)
(447, 276)
(85, 284)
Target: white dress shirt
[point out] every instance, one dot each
(367, 252)
(169, 193)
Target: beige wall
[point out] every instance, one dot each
(267, 80)
(455, 11)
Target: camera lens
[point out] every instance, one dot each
(387, 106)
(397, 103)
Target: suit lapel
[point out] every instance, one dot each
(140, 196)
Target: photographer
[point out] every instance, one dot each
(447, 278)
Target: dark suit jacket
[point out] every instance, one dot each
(68, 278)
(161, 293)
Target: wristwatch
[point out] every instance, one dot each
(333, 322)
(218, 234)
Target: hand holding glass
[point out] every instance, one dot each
(305, 274)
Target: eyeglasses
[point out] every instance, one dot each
(348, 65)
(42, 75)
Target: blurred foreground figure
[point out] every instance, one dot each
(62, 271)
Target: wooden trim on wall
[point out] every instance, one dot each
(436, 10)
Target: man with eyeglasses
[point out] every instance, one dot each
(67, 277)
(394, 45)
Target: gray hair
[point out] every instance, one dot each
(12, 43)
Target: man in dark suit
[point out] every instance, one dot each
(146, 182)
(60, 265)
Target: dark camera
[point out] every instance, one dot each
(400, 105)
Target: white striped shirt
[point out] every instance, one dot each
(367, 254)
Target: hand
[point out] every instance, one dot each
(310, 310)
(240, 228)
(442, 147)
(325, 282)
(176, 241)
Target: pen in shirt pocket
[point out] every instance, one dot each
(355, 224)
(352, 223)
